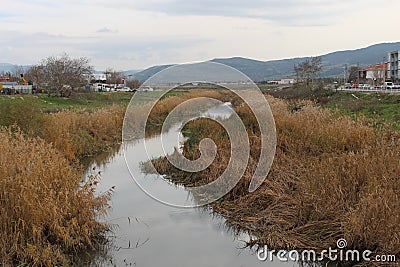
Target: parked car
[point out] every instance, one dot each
(367, 87)
(347, 85)
(389, 85)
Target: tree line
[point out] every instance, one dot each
(61, 75)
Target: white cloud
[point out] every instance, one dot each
(126, 34)
(117, 52)
(106, 30)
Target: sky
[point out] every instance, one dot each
(132, 34)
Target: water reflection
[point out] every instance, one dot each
(102, 159)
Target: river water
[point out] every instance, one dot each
(149, 233)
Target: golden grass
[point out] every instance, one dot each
(47, 211)
(160, 111)
(48, 214)
(333, 177)
(82, 133)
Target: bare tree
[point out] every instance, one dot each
(307, 71)
(64, 72)
(113, 76)
(353, 74)
(36, 75)
(378, 75)
(134, 84)
(16, 73)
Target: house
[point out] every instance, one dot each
(374, 74)
(286, 81)
(273, 82)
(97, 77)
(15, 88)
(393, 72)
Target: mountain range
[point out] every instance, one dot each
(7, 67)
(333, 64)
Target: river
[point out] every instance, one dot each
(149, 233)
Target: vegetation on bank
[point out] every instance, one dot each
(48, 213)
(77, 132)
(333, 177)
(84, 100)
(381, 107)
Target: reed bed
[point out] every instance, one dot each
(160, 110)
(47, 212)
(333, 177)
(80, 133)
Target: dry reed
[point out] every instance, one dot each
(333, 177)
(47, 213)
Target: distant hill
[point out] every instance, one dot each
(7, 67)
(131, 72)
(147, 73)
(333, 63)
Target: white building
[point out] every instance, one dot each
(16, 88)
(393, 68)
(286, 81)
(374, 74)
(99, 77)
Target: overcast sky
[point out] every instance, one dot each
(131, 34)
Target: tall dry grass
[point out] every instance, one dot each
(47, 213)
(80, 133)
(160, 110)
(332, 177)
(76, 132)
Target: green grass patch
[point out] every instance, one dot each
(381, 107)
(83, 100)
(76, 101)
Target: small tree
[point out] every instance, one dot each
(35, 74)
(307, 71)
(379, 75)
(134, 84)
(353, 74)
(113, 76)
(63, 72)
(16, 74)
